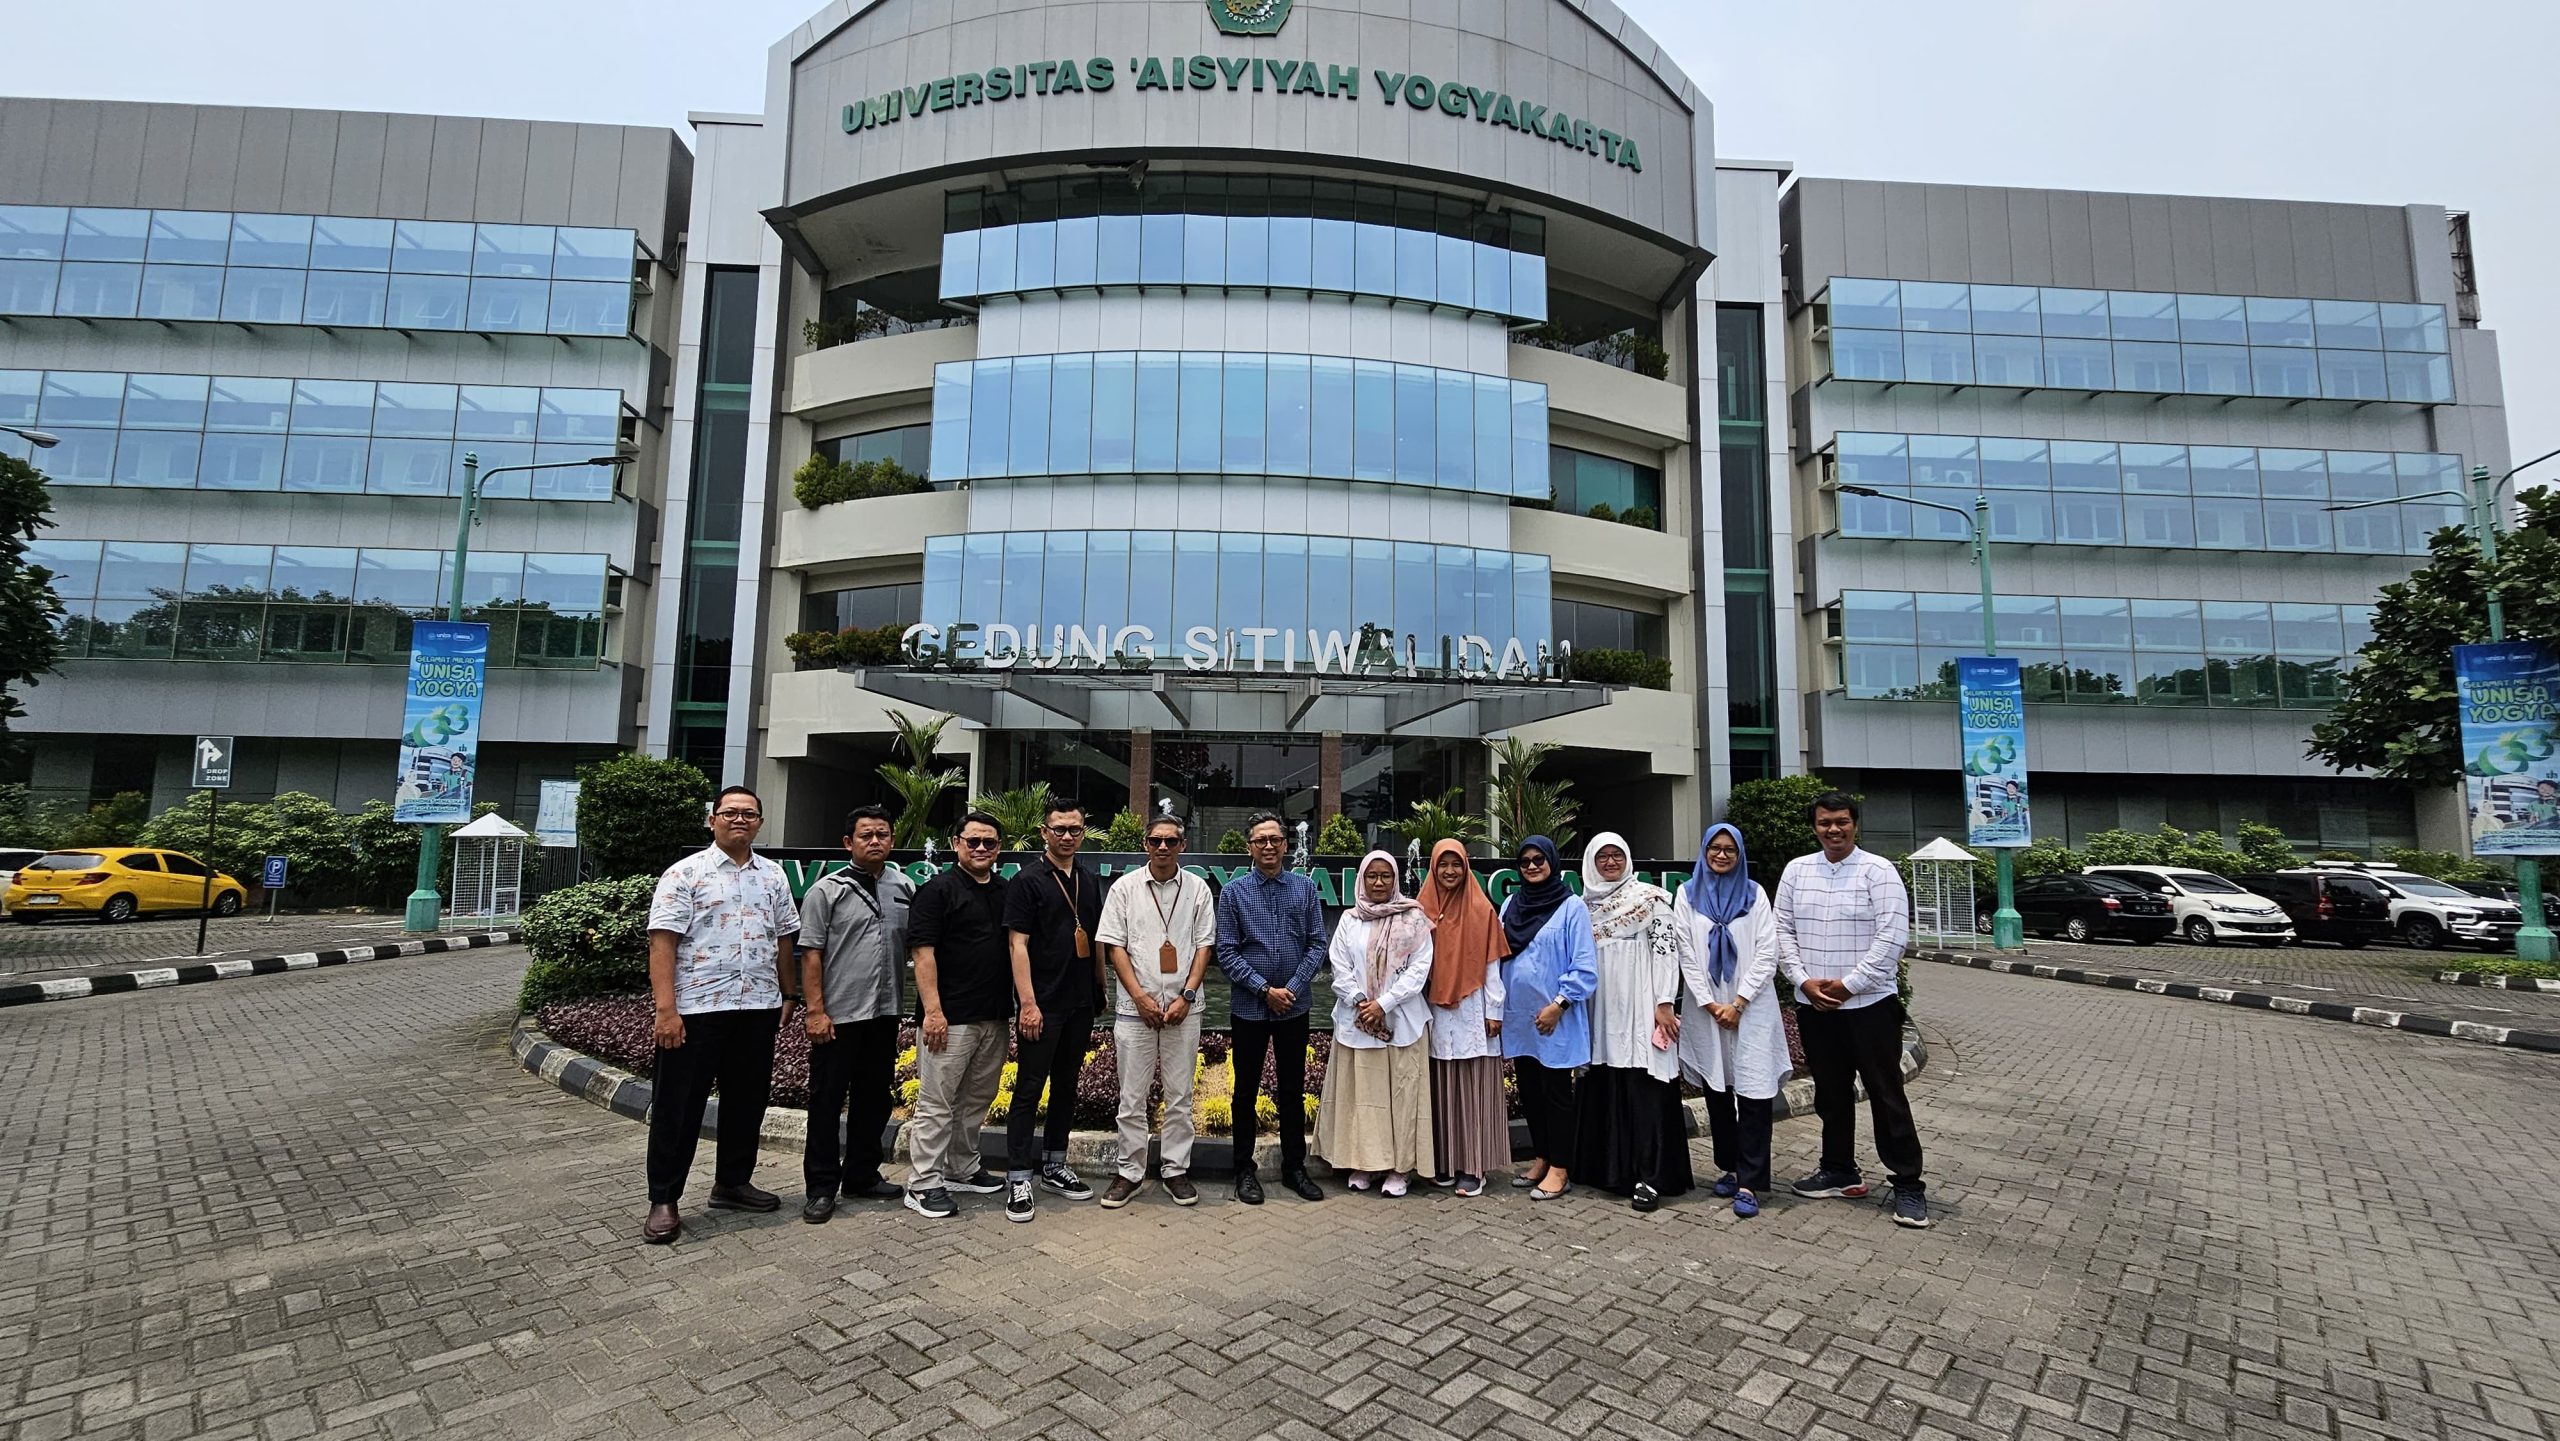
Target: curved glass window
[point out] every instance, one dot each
(2051, 337)
(2169, 497)
(1206, 412)
(237, 432)
(1311, 592)
(315, 270)
(1901, 645)
(1249, 231)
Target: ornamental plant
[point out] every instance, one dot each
(588, 940)
(1612, 666)
(824, 480)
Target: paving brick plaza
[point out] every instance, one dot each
(328, 1204)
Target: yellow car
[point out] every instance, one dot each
(117, 883)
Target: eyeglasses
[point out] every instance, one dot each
(977, 843)
(741, 817)
(1064, 831)
(1164, 843)
(1264, 841)
(1722, 851)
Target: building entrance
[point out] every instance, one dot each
(1217, 782)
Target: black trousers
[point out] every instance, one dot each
(734, 1051)
(1056, 1061)
(1739, 1125)
(1547, 1104)
(1286, 1043)
(1865, 1046)
(859, 1066)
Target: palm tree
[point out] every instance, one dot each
(1018, 813)
(920, 787)
(919, 737)
(1444, 819)
(1519, 806)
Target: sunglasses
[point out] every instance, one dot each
(977, 843)
(1164, 843)
(1537, 861)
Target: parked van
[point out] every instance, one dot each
(2338, 907)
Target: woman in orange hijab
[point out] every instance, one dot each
(1471, 1131)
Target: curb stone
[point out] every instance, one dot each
(2509, 1037)
(25, 993)
(627, 1095)
(2499, 983)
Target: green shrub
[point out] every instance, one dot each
(1610, 666)
(1602, 510)
(828, 649)
(1776, 820)
(1339, 837)
(2264, 847)
(1643, 517)
(821, 480)
(2443, 865)
(588, 940)
(1126, 832)
(1231, 844)
(637, 814)
(116, 821)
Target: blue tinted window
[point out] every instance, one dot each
(1934, 305)
(82, 398)
(1160, 256)
(413, 409)
(1528, 438)
(1203, 405)
(1288, 383)
(1865, 305)
(1244, 447)
(1491, 437)
(2217, 369)
(341, 243)
(164, 459)
(102, 290)
(588, 418)
(512, 250)
(1062, 585)
(590, 307)
(2080, 314)
(1114, 413)
(1866, 354)
(1937, 358)
(1417, 264)
(1159, 409)
(508, 305)
(275, 241)
(498, 412)
(2413, 327)
(2279, 322)
(1456, 408)
(351, 298)
(1071, 415)
(410, 467)
(960, 264)
(1027, 446)
(587, 254)
(1332, 412)
(1035, 256)
(2142, 315)
(1078, 251)
(2077, 364)
(2008, 359)
(189, 237)
(2410, 377)
(435, 247)
(181, 292)
(990, 415)
(32, 232)
(2347, 324)
(26, 286)
(107, 234)
(427, 302)
(2006, 310)
(1417, 434)
(2143, 365)
(2353, 375)
(2284, 371)
(325, 464)
(1239, 586)
(164, 402)
(1248, 250)
(1373, 257)
(1331, 265)
(1116, 261)
(262, 296)
(333, 407)
(2212, 320)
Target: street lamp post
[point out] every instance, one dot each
(426, 903)
(2480, 516)
(2008, 930)
(40, 439)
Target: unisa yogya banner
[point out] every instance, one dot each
(2509, 771)
(1993, 706)
(440, 729)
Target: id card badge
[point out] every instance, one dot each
(1084, 945)
(1167, 960)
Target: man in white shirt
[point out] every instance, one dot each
(1159, 928)
(1843, 919)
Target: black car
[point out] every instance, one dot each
(2087, 908)
(2339, 907)
(2507, 891)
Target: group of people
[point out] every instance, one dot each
(1602, 1002)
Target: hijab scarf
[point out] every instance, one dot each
(1532, 906)
(1398, 930)
(1466, 936)
(1722, 900)
(1624, 908)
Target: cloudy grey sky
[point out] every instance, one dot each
(2380, 101)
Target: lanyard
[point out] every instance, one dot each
(1168, 960)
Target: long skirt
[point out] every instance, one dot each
(1376, 1112)
(1630, 1130)
(1469, 1127)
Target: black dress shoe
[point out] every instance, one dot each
(1297, 1179)
(743, 1198)
(661, 1227)
(873, 1190)
(1248, 1188)
(817, 1209)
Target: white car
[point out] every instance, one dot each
(2434, 915)
(2209, 909)
(12, 857)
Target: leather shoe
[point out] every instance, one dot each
(817, 1209)
(661, 1227)
(743, 1198)
(873, 1190)
(1249, 1188)
(1299, 1181)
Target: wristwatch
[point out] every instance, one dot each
(1192, 995)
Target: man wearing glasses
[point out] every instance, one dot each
(1052, 913)
(964, 995)
(1158, 928)
(1270, 942)
(720, 929)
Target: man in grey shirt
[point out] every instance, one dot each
(853, 936)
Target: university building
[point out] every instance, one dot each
(1226, 404)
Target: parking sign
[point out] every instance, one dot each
(273, 879)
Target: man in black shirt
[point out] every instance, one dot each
(955, 926)
(1052, 913)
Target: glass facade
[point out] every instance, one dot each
(315, 270)
(707, 620)
(862, 607)
(2178, 497)
(1205, 412)
(909, 446)
(1171, 581)
(154, 600)
(1898, 645)
(1750, 613)
(1245, 231)
(1580, 483)
(2027, 336)
(336, 437)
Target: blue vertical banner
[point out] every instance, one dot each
(440, 727)
(2510, 774)
(1993, 706)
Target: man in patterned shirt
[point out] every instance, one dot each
(720, 929)
(1843, 918)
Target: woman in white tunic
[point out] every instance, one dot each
(1732, 1043)
(1631, 1136)
(1470, 1128)
(1375, 1119)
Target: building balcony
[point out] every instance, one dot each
(846, 380)
(1588, 395)
(852, 533)
(1621, 557)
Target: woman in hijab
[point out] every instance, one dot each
(1470, 1131)
(1731, 1042)
(1546, 1030)
(1632, 1137)
(1375, 1119)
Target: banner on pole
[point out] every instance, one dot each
(2510, 772)
(555, 824)
(440, 728)
(1992, 703)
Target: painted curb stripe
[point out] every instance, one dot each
(25, 993)
(2374, 1016)
(2500, 983)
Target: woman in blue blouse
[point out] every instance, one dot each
(1546, 1030)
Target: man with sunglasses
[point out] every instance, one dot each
(964, 997)
(1270, 941)
(1159, 926)
(720, 930)
(1052, 913)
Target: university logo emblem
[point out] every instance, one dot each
(1250, 17)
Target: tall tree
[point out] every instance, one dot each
(2396, 713)
(30, 613)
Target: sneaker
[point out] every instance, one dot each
(1058, 1177)
(1910, 1208)
(1726, 1184)
(1831, 1183)
(1393, 1185)
(1745, 1205)
(1122, 1192)
(1444, 1180)
(1182, 1191)
(1017, 1200)
(935, 1204)
(1470, 1185)
(984, 1183)
(1359, 1181)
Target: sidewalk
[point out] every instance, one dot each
(74, 947)
(2380, 977)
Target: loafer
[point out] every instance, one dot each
(817, 1210)
(662, 1226)
(743, 1198)
(1182, 1191)
(875, 1190)
(1726, 1184)
(1745, 1205)
(1121, 1192)
(1647, 1198)
(1299, 1181)
(1248, 1188)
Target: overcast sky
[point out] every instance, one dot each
(2447, 103)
